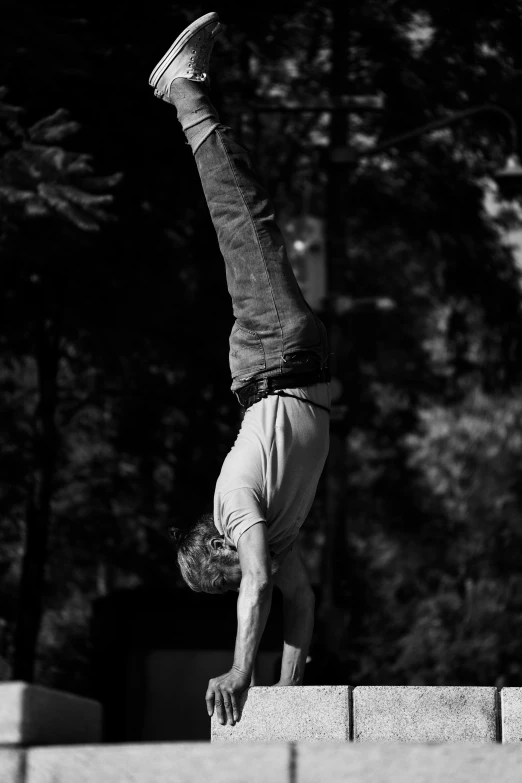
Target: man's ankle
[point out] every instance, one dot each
(185, 89)
(197, 115)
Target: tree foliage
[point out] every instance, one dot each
(41, 179)
(114, 302)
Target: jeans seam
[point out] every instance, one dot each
(218, 134)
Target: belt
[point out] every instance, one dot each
(258, 390)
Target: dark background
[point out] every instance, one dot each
(115, 409)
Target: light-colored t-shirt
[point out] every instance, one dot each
(271, 473)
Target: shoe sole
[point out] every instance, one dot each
(178, 45)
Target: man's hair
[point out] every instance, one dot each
(203, 568)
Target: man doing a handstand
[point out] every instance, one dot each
(278, 355)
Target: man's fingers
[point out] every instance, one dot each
(220, 710)
(235, 708)
(223, 699)
(228, 707)
(209, 698)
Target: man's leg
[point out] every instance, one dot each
(275, 330)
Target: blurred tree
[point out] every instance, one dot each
(42, 183)
(468, 460)
(141, 314)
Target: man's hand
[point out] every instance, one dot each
(224, 694)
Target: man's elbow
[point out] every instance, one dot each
(258, 583)
(310, 597)
(302, 597)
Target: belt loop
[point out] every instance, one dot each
(264, 386)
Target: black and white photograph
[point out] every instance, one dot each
(261, 391)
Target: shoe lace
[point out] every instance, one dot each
(198, 61)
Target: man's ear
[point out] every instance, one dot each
(217, 543)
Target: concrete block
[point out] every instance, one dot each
(32, 715)
(289, 714)
(195, 762)
(12, 765)
(511, 711)
(424, 714)
(372, 763)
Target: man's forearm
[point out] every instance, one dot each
(253, 607)
(298, 628)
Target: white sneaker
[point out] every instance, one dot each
(188, 57)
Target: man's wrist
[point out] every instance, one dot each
(289, 682)
(242, 670)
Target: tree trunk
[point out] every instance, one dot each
(336, 255)
(32, 581)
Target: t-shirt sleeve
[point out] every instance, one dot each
(240, 509)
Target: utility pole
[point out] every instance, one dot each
(334, 525)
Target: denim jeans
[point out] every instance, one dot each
(275, 332)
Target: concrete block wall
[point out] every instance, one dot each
(12, 765)
(286, 735)
(511, 715)
(377, 714)
(316, 713)
(273, 763)
(419, 714)
(364, 714)
(31, 715)
(196, 762)
(400, 763)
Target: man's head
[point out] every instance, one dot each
(207, 563)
